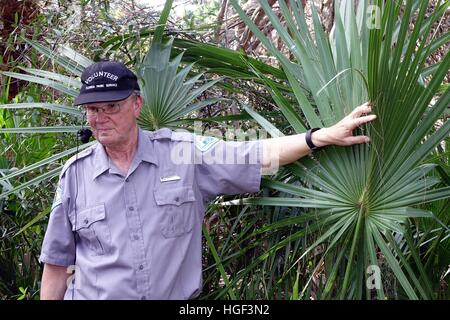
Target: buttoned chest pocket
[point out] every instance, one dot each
(176, 205)
(92, 228)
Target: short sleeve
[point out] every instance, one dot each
(58, 247)
(228, 167)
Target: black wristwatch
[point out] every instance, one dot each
(309, 142)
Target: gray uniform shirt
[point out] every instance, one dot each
(139, 236)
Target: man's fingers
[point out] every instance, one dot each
(359, 121)
(358, 111)
(357, 140)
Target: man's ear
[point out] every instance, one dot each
(137, 106)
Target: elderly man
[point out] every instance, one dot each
(127, 214)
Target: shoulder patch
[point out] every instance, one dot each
(204, 143)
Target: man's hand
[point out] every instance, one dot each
(341, 133)
(280, 151)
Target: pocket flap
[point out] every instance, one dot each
(84, 218)
(174, 195)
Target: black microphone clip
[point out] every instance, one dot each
(84, 135)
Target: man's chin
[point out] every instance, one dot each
(105, 140)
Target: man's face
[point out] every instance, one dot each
(113, 123)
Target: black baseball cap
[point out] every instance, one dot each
(106, 81)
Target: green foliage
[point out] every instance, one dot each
(319, 223)
(19, 251)
(202, 15)
(165, 91)
(360, 197)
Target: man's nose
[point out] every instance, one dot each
(101, 116)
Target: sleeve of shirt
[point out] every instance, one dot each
(227, 167)
(58, 247)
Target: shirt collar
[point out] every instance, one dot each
(144, 152)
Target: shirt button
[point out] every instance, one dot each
(136, 237)
(177, 199)
(131, 208)
(141, 267)
(86, 221)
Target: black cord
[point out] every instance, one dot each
(75, 221)
(83, 135)
(79, 133)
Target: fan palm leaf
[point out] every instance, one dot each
(167, 92)
(364, 194)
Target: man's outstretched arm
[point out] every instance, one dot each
(284, 150)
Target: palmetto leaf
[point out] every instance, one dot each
(44, 81)
(53, 129)
(217, 258)
(50, 106)
(364, 192)
(68, 81)
(42, 177)
(212, 58)
(35, 181)
(44, 162)
(167, 92)
(73, 63)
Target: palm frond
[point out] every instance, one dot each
(363, 194)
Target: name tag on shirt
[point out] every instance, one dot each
(170, 178)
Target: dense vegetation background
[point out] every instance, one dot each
(282, 66)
